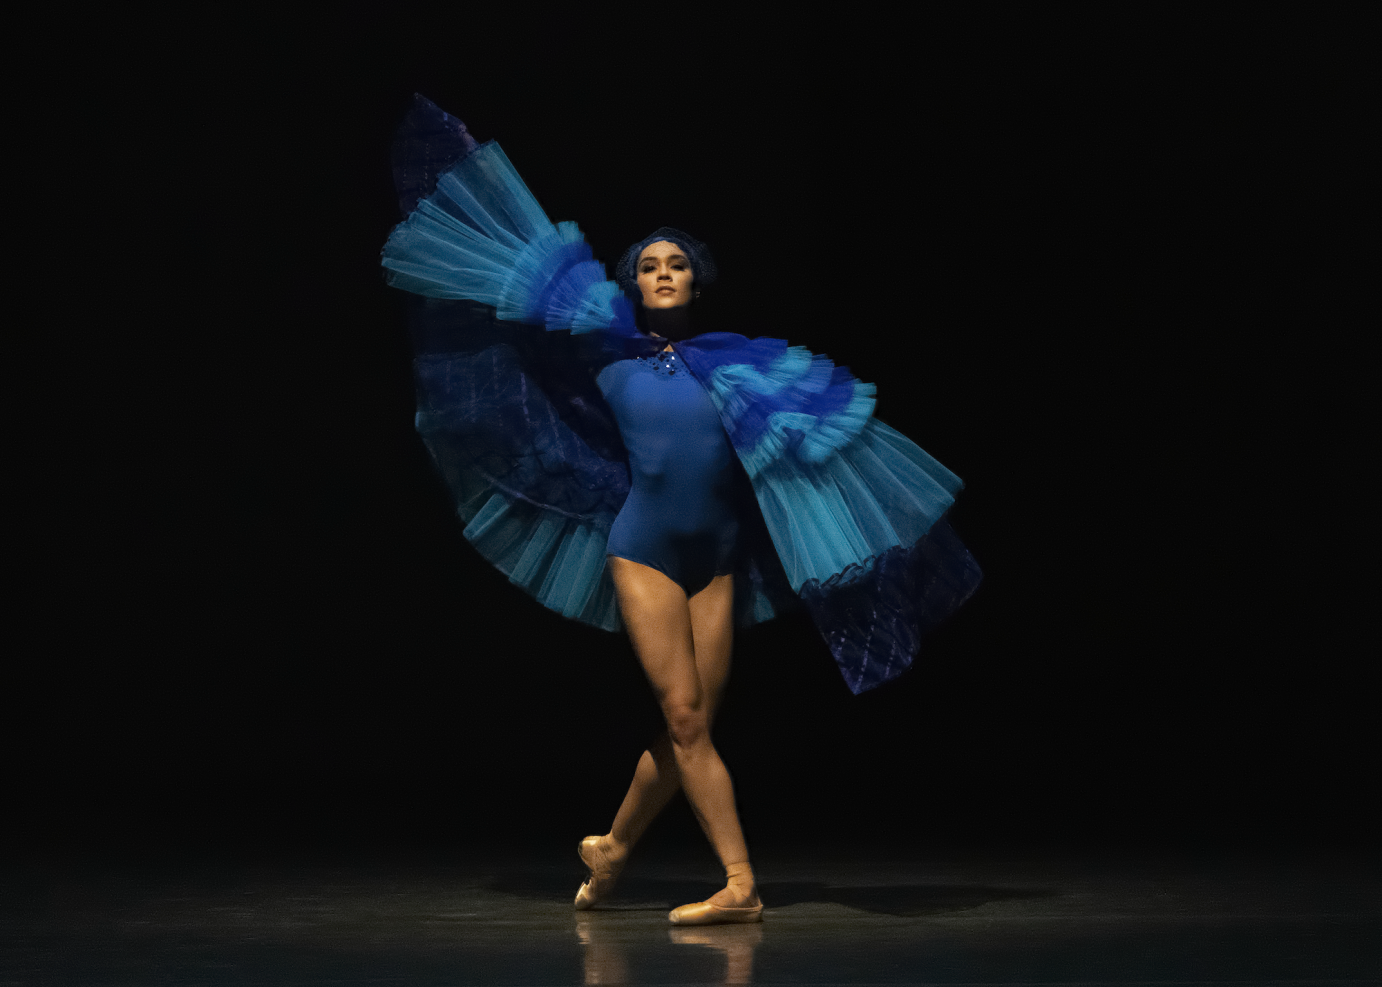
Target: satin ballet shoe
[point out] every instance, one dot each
(706, 913)
(604, 871)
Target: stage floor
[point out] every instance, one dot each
(878, 918)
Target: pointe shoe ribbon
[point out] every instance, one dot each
(604, 871)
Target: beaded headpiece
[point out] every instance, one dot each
(702, 264)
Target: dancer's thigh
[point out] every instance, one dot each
(658, 618)
(712, 631)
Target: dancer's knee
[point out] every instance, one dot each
(687, 724)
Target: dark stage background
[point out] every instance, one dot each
(1078, 258)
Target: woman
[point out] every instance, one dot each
(670, 554)
(643, 521)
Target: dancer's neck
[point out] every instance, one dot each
(673, 324)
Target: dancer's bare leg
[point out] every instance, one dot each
(657, 615)
(656, 779)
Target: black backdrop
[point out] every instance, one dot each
(1076, 257)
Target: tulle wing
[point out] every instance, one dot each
(835, 485)
(528, 448)
(480, 234)
(852, 505)
(516, 426)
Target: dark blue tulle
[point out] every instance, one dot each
(780, 378)
(428, 143)
(527, 447)
(521, 411)
(874, 618)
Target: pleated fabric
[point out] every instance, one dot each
(854, 508)
(518, 432)
(836, 486)
(481, 235)
(528, 448)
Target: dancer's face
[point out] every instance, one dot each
(664, 276)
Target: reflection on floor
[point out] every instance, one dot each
(877, 919)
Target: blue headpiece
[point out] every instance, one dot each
(702, 264)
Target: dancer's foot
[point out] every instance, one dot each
(738, 901)
(605, 857)
(713, 912)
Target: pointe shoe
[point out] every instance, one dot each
(709, 913)
(604, 871)
(740, 877)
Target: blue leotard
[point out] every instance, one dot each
(679, 517)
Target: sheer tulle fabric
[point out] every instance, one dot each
(854, 508)
(528, 449)
(836, 486)
(880, 492)
(481, 235)
(874, 617)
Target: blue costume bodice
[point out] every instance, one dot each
(679, 517)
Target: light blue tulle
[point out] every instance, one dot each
(837, 487)
(821, 408)
(557, 559)
(481, 235)
(879, 492)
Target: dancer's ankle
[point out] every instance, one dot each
(739, 874)
(740, 884)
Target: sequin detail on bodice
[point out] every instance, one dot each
(664, 364)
